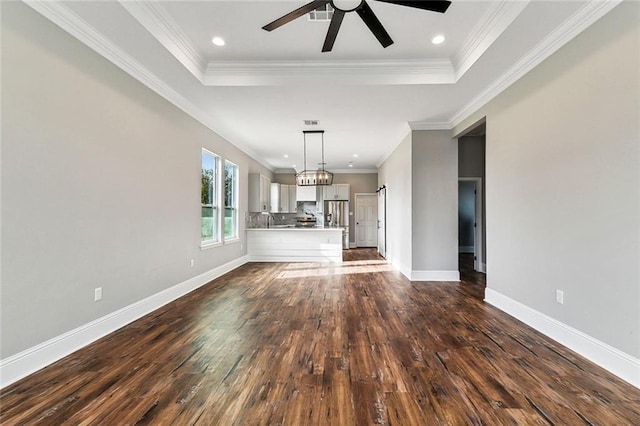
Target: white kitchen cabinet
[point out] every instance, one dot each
(284, 199)
(280, 198)
(306, 193)
(292, 198)
(329, 192)
(259, 193)
(342, 191)
(339, 191)
(275, 198)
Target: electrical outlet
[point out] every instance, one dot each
(192, 263)
(560, 297)
(97, 294)
(240, 246)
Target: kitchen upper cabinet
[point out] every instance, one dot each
(283, 198)
(306, 193)
(275, 198)
(259, 193)
(280, 198)
(292, 198)
(338, 191)
(329, 192)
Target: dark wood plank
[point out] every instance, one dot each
(314, 344)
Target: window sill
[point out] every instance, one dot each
(207, 246)
(233, 240)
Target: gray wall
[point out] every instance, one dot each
(359, 183)
(434, 187)
(421, 176)
(395, 173)
(471, 163)
(563, 183)
(100, 185)
(471, 156)
(284, 178)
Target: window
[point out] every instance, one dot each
(230, 200)
(209, 198)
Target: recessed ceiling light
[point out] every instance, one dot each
(355, 155)
(286, 156)
(350, 165)
(437, 39)
(294, 166)
(218, 41)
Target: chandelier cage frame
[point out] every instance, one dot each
(319, 177)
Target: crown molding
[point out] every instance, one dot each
(70, 22)
(396, 72)
(285, 171)
(155, 19)
(334, 171)
(499, 16)
(353, 171)
(404, 132)
(430, 125)
(166, 30)
(571, 27)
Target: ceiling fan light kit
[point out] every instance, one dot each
(318, 177)
(362, 8)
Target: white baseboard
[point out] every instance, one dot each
(426, 275)
(404, 270)
(466, 249)
(614, 360)
(293, 259)
(33, 359)
(435, 276)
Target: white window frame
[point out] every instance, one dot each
(216, 202)
(235, 201)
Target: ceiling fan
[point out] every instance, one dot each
(341, 7)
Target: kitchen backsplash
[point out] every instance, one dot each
(259, 220)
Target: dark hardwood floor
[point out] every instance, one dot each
(310, 344)
(472, 282)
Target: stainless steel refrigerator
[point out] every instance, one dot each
(336, 215)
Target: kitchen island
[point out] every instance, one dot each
(286, 244)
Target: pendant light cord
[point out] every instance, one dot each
(323, 151)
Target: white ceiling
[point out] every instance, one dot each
(257, 89)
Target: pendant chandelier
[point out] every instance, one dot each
(314, 177)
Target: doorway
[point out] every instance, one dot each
(470, 221)
(366, 220)
(472, 190)
(382, 221)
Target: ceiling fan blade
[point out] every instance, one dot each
(332, 33)
(432, 5)
(295, 14)
(374, 25)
